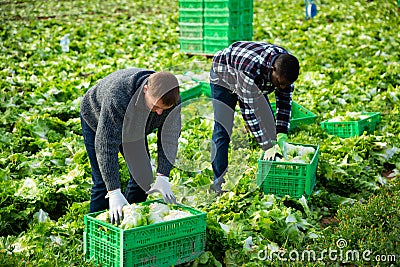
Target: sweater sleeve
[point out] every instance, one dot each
(167, 141)
(108, 141)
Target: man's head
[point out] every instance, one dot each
(161, 91)
(285, 71)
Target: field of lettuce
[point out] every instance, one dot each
(350, 61)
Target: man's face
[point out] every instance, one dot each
(279, 81)
(152, 103)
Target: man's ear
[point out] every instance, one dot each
(145, 88)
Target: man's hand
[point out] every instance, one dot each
(281, 140)
(117, 201)
(270, 154)
(161, 185)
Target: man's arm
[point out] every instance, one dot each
(107, 142)
(283, 108)
(138, 162)
(167, 141)
(257, 113)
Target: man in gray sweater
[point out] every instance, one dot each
(117, 114)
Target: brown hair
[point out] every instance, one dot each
(165, 86)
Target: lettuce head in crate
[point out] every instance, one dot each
(136, 215)
(295, 154)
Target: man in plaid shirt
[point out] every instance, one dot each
(246, 72)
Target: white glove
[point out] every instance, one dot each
(270, 154)
(117, 201)
(162, 186)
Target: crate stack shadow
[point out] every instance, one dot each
(207, 26)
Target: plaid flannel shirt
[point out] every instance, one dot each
(245, 68)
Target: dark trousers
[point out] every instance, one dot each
(98, 202)
(224, 103)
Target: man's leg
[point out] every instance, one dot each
(224, 103)
(98, 202)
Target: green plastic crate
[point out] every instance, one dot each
(203, 88)
(247, 16)
(191, 30)
(191, 4)
(247, 32)
(160, 244)
(213, 45)
(223, 4)
(222, 31)
(287, 178)
(228, 4)
(191, 45)
(227, 32)
(346, 129)
(300, 115)
(222, 17)
(191, 16)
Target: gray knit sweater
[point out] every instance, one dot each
(104, 107)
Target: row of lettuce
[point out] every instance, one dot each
(350, 62)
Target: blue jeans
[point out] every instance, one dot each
(224, 103)
(98, 202)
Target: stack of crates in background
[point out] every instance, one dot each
(207, 26)
(191, 25)
(226, 21)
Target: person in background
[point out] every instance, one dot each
(246, 73)
(132, 102)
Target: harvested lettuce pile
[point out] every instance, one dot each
(349, 116)
(296, 154)
(136, 215)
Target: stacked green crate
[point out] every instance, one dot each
(226, 21)
(191, 25)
